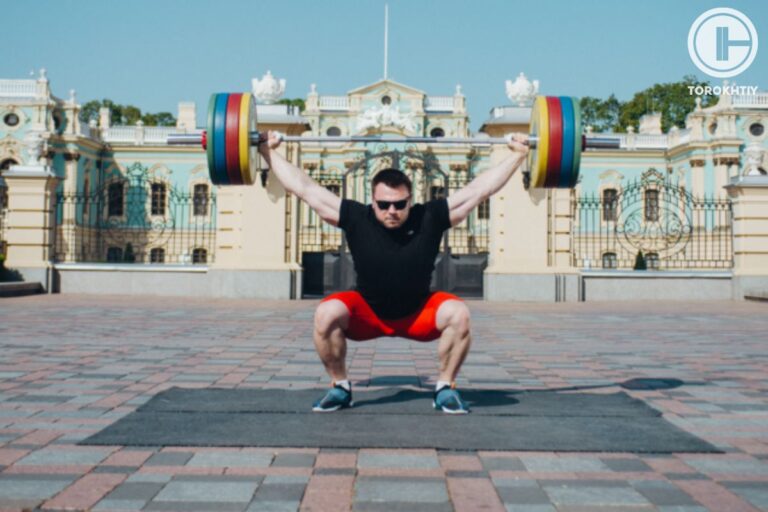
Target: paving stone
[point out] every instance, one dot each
(625, 465)
(273, 506)
(280, 492)
(594, 496)
(523, 495)
(406, 490)
(503, 463)
(135, 491)
(729, 466)
(563, 465)
(396, 460)
(294, 460)
(512, 507)
(231, 460)
(224, 492)
(169, 459)
(24, 489)
(114, 505)
(61, 457)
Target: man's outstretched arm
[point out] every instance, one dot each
(488, 183)
(323, 201)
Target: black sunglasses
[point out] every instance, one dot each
(399, 205)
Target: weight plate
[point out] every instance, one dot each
(220, 138)
(577, 144)
(243, 139)
(566, 163)
(537, 158)
(232, 151)
(555, 154)
(212, 171)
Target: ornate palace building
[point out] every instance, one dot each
(99, 208)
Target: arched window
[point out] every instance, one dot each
(158, 199)
(609, 260)
(437, 132)
(115, 199)
(333, 131)
(651, 205)
(609, 204)
(157, 255)
(199, 255)
(200, 200)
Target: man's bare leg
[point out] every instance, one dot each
(455, 339)
(331, 319)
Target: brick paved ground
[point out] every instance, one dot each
(70, 365)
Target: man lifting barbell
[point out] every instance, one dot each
(394, 244)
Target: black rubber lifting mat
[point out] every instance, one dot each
(401, 418)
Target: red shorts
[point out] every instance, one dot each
(365, 325)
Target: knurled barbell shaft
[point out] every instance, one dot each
(192, 139)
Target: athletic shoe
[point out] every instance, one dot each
(449, 401)
(336, 398)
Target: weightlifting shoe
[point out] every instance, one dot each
(448, 400)
(336, 398)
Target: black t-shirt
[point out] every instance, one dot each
(394, 266)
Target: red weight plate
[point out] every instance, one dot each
(555, 155)
(233, 139)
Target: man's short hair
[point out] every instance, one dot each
(392, 178)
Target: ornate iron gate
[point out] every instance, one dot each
(136, 217)
(653, 216)
(326, 261)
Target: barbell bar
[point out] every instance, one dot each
(556, 140)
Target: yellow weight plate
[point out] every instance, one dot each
(244, 141)
(537, 158)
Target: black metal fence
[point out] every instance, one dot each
(669, 226)
(136, 218)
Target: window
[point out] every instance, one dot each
(114, 254)
(609, 204)
(609, 260)
(386, 100)
(86, 196)
(200, 200)
(484, 210)
(11, 119)
(333, 131)
(652, 260)
(199, 255)
(756, 129)
(652, 205)
(436, 192)
(158, 199)
(713, 128)
(335, 188)
(157, 255)
(437, 132)
(115, 199)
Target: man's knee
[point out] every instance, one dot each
(330, 315)
(457, 316)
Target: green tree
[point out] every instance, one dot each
(125, 114)
(296, 102)
(640, 261)
(601, 115)
(673, 100)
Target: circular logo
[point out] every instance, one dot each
(722, 42)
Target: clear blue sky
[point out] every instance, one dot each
(155, 53)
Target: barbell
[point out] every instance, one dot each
(556, 140)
